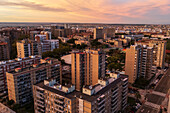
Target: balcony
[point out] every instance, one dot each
(41, 106)
(101, 108)
(114, 94)
(114, 100)
(59, 104)
(59, 100)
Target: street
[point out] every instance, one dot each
(156, 98)
(164, 84)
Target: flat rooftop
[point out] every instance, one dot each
(78, 94)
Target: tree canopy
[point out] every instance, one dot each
(95, 44)
(116, 60)
(168, 45)
(57, 53)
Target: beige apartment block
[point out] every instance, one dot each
(87, 66)
(159, 51)
(26, 48)
(139, 62)
(21, 80)
(107, 96)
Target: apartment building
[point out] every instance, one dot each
(87, 66)
(4, 51)
(138, 62)
(43, 35)
(26, 48)
(98, 33)
(159, 48)
(21, 80)
(110, 32)
(10, 65)
(107, 96)
(60, 31)
(49, 45)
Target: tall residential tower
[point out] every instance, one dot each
(87, 67)
(138, 62)
(159, 48)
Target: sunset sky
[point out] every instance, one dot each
(86, 11)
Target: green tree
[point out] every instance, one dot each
(137, 95)
(10, 102)
(167, 59)
(57, 53)
(115, 66)
(72, 41)
(95, 44)
(116, 60)
(23, 36)
(168, 44)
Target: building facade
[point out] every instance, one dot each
(60, 31)
(159, 51)
(49, 45)
(107, 96)
(98, 33)
(10, 65)
(21, 80)
(26, 48)
(87, 67)
(139, 62)
(4, 51)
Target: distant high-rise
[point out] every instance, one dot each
(87, 67)
(26, 48)
(159, 51)
(110, 32)
(138, 62)
(98, 33)
(103, 33)
(4, 51)
(61, 31)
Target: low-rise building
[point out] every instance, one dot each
(49, 45)
(82, 42)
(63, 39)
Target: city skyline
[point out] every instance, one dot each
(92, 11)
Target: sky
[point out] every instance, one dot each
(86, 11)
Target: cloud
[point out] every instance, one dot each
(107, 11)
(32, 6)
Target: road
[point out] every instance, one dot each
(164, 84)
(162, 87)
(156, 99)
(147, 109)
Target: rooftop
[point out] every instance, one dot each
(3, 43)
(78, 94)
(18, 60)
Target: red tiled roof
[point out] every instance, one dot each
(167, 51)
(3, 43)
